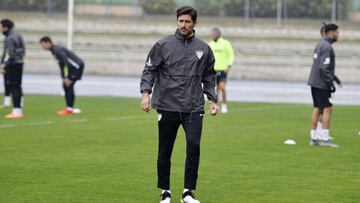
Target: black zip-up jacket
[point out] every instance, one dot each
(71, 66)
(322, 74)
(183, 71)
(14, 49)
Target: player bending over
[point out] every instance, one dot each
(71, 67)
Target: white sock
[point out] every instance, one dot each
(17, 110)
(319, 129)
(165, 191)
(319, 125)
(325, 134)
(69, 108)
(313, 134)
(7, 101)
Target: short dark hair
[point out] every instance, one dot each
(331, 27)
(46, 39)
(7, 23)
(187, 10)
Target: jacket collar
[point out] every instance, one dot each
(182, 37)
(7, 33)
(330, 40)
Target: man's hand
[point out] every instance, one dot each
(340, 84)
(145, 102)
(228, 69)
(67, 82)
(2, 69)
(214, 108)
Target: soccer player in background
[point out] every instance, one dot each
(180, 67)
(321, 80)
(71, 67)
(12, 63)
(319, 127)
(224, 58)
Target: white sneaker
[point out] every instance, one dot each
(165, 197)
(224, 108)
(188, 197)
(328, 144)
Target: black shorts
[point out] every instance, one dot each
(220, 76)
(13, 75)
(321, 98)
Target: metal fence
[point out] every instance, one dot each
(273, 39)
(248, 9)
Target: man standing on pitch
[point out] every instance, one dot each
(224, 56)
(12, 63)
(71, 67)
(181, 69)
(321, 80)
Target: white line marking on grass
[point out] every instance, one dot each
(124, 118)
(7, 126)
(79, 121)
(40, 123)
(264, 108)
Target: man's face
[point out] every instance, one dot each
(46, 45)
(334, 35)
(185, 25)
(3, 29)
(214, 35)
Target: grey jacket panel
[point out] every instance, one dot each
(322, 73)
(181, 71)
(71, 66)
(14, 49)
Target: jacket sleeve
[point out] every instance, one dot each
(62, 70)
(230, 53)
(63, 62)
(3, 57)
(209, 78)
(152, 65)
(11, 52)
(325, 64)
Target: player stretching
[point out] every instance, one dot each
(71, 67)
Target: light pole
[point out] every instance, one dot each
(70, 23)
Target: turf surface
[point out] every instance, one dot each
(108, 154)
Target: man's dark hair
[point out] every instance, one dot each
(187, 10)
(331, 27)
(46, 39)
(7, 23)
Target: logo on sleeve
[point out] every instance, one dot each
(327, 61)
(315, 55)
(199, 53)
(149, 62)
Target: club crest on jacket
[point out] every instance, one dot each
(149, 62)
(199, 53)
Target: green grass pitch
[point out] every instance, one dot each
(108, 154)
